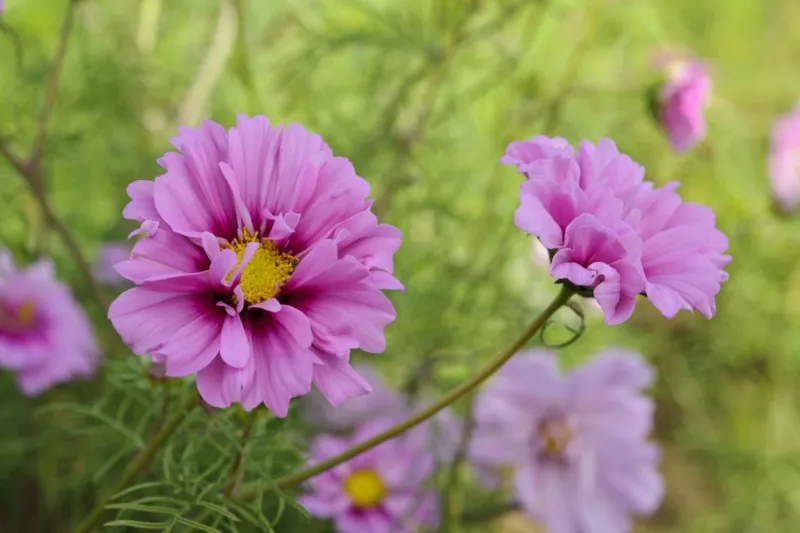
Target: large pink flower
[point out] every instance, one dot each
(380, 491)
(682, 102)
(45, 337)
(612, 234)
(784, 161)
(577, 441)
(261, 266)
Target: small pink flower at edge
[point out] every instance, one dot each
(45, 337)
(784, 161)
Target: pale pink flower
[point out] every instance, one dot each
(260, 268)
(45, 337)
(383, 490)
(784, 161)
(577, 441)
(612, 234)
(442, 432)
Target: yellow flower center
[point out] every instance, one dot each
(268, 270)
(20, 318)
(556, 436)
(365, 488)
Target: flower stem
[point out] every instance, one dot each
(141, 462)
(482, 375)
(448, 503)
(239, 458)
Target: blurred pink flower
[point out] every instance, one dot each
(353, 412)
(380, 491)
(107, 257)
(682, 102)
(784, 161)
(614, 235)
(577, 441)
(45, 337)
(442, 432)
(260, 268)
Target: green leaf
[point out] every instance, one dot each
(140, 486)
(156, 509)
(137, 524)
(196, 525)
(219, 510)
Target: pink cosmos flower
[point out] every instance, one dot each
(784, 161)
(576, 441)
(261, 266)
(108, 256)
(380, 491)
(612, 234)
(45, 338)
(682, 101)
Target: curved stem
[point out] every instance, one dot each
(482, 375)
(139, 464)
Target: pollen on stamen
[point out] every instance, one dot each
(268, 270)
(555, 437)
(17, 318)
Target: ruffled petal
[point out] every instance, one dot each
(193, 196)
(344, 309)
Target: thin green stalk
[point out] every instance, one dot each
(30, 168)
(141, 462)
(449, 503)
(239, 458)
(471, 384)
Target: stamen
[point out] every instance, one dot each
(17, 318)
(268, 270)
(555, 436)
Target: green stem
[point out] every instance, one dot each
(139, 464)
(239, 458)
(449, 514)
(482, 375)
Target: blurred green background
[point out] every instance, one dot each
(423, 96)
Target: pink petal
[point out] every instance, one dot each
(337, 380)
(234, 344)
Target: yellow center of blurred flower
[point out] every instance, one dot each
(555, 436)
(20, 318)
(268, 270)
(365, 488)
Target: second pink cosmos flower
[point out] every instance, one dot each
(614, 235)
(261, 266)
